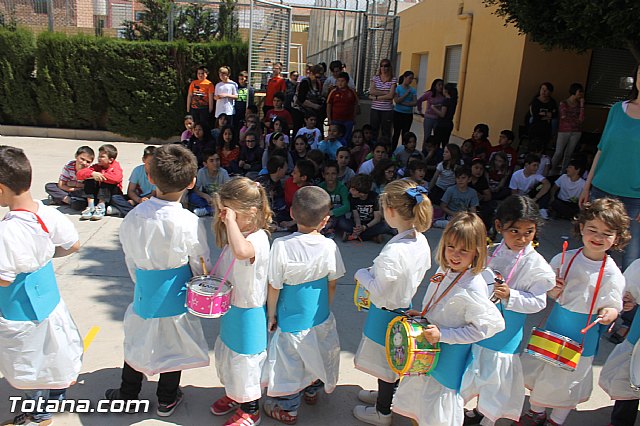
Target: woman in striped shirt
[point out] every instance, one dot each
(381, 91)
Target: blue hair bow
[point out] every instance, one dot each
(416, 193)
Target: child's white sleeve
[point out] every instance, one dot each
(277, 260)
(199, 250)
(531, 295)
(337, 270)
(632, 279)
(63, 233)
(482, 320)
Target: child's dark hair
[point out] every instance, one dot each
(15, 169)
(340, 128)
(358, 131)
(84, 149)
(310, 206)
(302, 138)
(575, 87)
(477, 160)
(417, 165)
(274, 163)
(382, 144)
(343, 149)
(173, 168)
(378, 174)
(252, 108)
(208, 153)
(279, 95)
(612, 213)
(272, 146)
(531, 158)
(306, 168)
(407, 137)
(331, 164)
(454, 151)
(148, 151)
(110, 150)
(579, 162)
(222, 115)
(317, 157)
(508, 134)
(284, 127)
(505, 158)
(462, 171)
(518, 207)
(310, 114)
(367, 127)
(221, 142)
(344, 75)
(203, 68)
(361, 183)
(483, 128)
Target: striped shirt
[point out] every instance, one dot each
(385, 87)
(68, 173)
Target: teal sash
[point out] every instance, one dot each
(634, 331)
(508, 340)
(454, 360)
(303, 306)
(31, 296)
(375, 328)
(569, 324)
(244, 330)
(161, 293)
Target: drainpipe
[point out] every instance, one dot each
(468, 17)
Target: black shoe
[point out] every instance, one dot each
(472, 417)
(165, 410)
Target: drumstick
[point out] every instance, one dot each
(204, 267)
(584, 330)
(565, 245)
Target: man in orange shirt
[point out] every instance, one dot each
(342, 104)
(200, 99)
(275, 84)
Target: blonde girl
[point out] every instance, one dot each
(589, 285)
(392, 281)
(459, 313)
(240, 350)
(495, 374)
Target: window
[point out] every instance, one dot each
(139, 16)
(40, 6)
(452, 60)
(611, 74)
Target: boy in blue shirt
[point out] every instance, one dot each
(459, 197)
(333, 142)
(139, 189)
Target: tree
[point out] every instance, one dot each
(227, 21)
(575, 24)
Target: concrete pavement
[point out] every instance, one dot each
(96, 286)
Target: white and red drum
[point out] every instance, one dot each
(554, 349)
(203, 298)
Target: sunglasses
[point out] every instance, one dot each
(385, 66)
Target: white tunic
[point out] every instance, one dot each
(392, 282)
(464, 316)
(46, 354)
(160, 235)
(496, 377)
(241, 374)
(614, 377)
(552, 386)
(295, 360)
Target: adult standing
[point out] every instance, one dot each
(274, 85)
(336, 67)
(308, 98)
(225, 95)
(615, 171)
(445, 113)
(404, 99)
(434, 98)
(382, 89)
(543, 110)
(291, 84)
(569, 127)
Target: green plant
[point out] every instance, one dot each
(17, 65)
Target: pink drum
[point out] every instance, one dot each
(203, 298)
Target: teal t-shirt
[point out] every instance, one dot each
(339, 199)
(400, 91)
(140, 179)
(617, 171)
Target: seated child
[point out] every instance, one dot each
(277, 142)
(379, 152)
(250, 160)
(278, 125)
(480, 184)
(139, 189)
(432, 156)
(302, 174)
(504, 145)
(366, 218)
(300, 149)
(69, 190)
(272, 183)
(525, 182)
(383, 173)
(537, 147)
(199, 142)
(498, 175)
(466, 152)
(310, 131)
(41, 346)
(102, 181)
(343, 158)
(416, 170)
(358, 149)
(566, 191)
(333, 141)
(459, 197)
(221, 122)
(252, 125)
(481, 145)
(339, 195)
(277, 111)
(409, 141)
(318, 158)
(304, 351)
(208, 180)
(228, 151)
(188, 128)
(444, 176)
(162, 243)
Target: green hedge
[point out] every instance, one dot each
(136, 89)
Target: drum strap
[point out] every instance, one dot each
(439, 278)
(495, 252)
(44, 227)
(226, 275)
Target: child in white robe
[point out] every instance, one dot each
(241, 349)
(459, 313)
(41, 346)
(495, 374)
(304, 351)
(162, 243)
(392, 282)
(603, 225)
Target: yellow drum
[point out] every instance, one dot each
(408, 352)
(361, 297)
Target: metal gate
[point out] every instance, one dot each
(269, 39)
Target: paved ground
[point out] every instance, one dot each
(96, 286)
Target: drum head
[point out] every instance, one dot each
(205, 284)
(397, 346)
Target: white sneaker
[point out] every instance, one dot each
(201, 211)
(544, 213)
(368, 396)
(371, 415)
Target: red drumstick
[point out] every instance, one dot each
(584, 330)
(565, 245)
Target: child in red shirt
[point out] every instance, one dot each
(302, 175)
(341, 104)
(101, 181)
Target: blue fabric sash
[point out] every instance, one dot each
(303, 306)
(569, 324)
(244, 330)
(634, 332)
(375, 328)
(161, 293)
(31, 296)
(453, 362)
(508, 340)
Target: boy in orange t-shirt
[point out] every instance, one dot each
(200, 99)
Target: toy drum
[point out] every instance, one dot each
(361, 297)
(554, 349)
(408, 352)
(202, 300)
